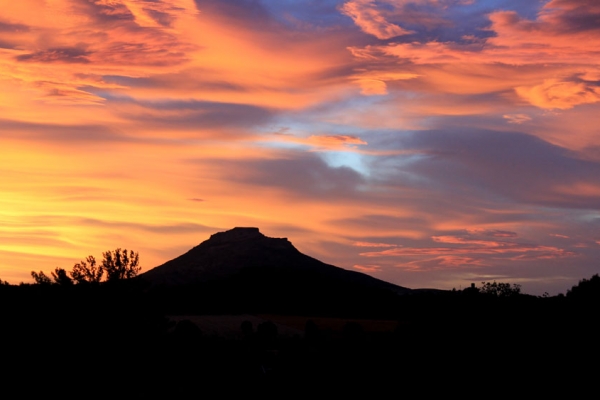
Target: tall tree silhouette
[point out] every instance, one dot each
(586, 289)
(41, 278)
(87, 271)
(120, 264)
(61, 277)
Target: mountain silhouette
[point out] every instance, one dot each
(242, 270)
(245, 253)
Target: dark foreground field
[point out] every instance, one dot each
(121, 338)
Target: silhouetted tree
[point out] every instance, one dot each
(586, 289)
(500, 289)
(87, 271)
(41, 278)
(471, 290)
(120, 264)
(61, 278)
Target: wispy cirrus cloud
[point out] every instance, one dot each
(561, 94)
(322, 142)
(94, 38)
(370, 244)
(517, 118)
(371, 20)
(563, 35)
(469, 249)
(387, 19)
(367, 268)
(444, 262)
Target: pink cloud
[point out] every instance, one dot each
(372, 87)
(517, 118)
(368, 268)
(334, 141)
(491, 233)
(471, 245)
(371, 20)
(85, 40)
(369, 244)
(495, 249)
(442, 263)
(374, 17)
(462, 240)
(564, 36)
(323, 142)
(544, 253)
(557, 94)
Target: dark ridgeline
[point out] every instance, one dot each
(239, 251)
(242, 270)
(121, 337)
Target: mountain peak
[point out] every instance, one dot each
(247, 257)
(237, 233)
(240, 234)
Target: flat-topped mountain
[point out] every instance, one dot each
(247, 253)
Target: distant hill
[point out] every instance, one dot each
(239, 250)
(243, 265)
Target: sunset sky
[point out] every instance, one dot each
(429, 143)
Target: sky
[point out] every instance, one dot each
(428, 143)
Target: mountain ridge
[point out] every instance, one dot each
(245, 250)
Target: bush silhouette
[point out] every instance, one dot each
(120, 264)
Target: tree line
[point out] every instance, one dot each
(116, 265)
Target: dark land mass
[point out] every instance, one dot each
(294, 324)
(240, 251)
(242, 270)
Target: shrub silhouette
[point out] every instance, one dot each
(500, 289)
(60, 277)
(41, 278)
(586, 289)
(120, 264)
(87, 271)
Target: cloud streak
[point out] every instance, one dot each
(468, 250)
(371, 20)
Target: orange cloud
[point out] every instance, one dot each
(324, 142)
(140, 43)
(489, 249)
(583, 189)
(556, 94)
(517, 118)
(563, 38)
(372, 87)
(369, 244)
(368, 268)
(471, 246)
(553, 35)
(85, 40)
(374, 83)
(442, 263)
(371, 20)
